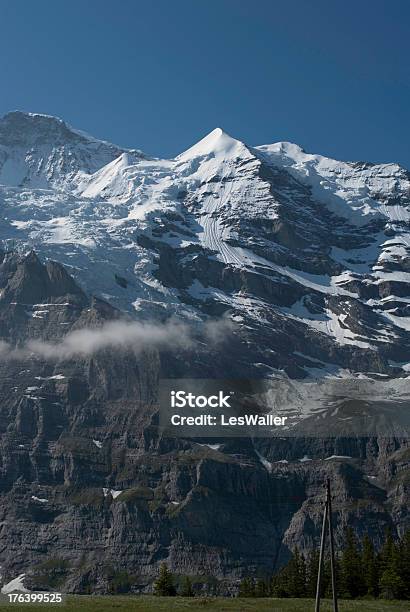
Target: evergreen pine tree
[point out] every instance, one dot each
(311, 573)
(404, 567)
(358, 571)
(302, 576)
(370, 567)
(294, 576)
(164, 585)
(351, 568)
(247, 588)
(385, 555)
(278, 587)
(326, 590)
(261, 589)
(187, 590)
(391, 585)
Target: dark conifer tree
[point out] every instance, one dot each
(351, 568)
(386, 553)
(261, 589)
(164, 585)
(187, 590)
(279, 585)
(370, 567)
(390, 583)
(326, 590)
(294, 576)
(311, 572)
(247, 588)
(404, 567)
(359, 571)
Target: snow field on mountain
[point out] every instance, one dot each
(107, 213)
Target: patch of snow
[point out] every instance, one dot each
(113, 492)
(17, 584)
(266, 464)
(212, 446)
(55, 377)
(338, 457)
(403, 322)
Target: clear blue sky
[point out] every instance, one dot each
(333, 76)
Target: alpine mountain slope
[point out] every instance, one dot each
(302, 265)
(307, 255)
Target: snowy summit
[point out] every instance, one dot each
(310, 255)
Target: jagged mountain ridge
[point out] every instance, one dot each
(40, 152)
(309, 256)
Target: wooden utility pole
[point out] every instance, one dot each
(327, 518)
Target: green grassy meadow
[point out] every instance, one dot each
(211, 604)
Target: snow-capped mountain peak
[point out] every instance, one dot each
(356, 191)
(217, 143)
(111, 180)
(40, 151)
(310, 255)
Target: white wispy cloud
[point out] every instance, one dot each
(121, 335)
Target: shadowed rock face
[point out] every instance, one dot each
(26, 280)
(27, 130)
(89, 487)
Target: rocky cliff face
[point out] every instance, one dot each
(93, 498)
